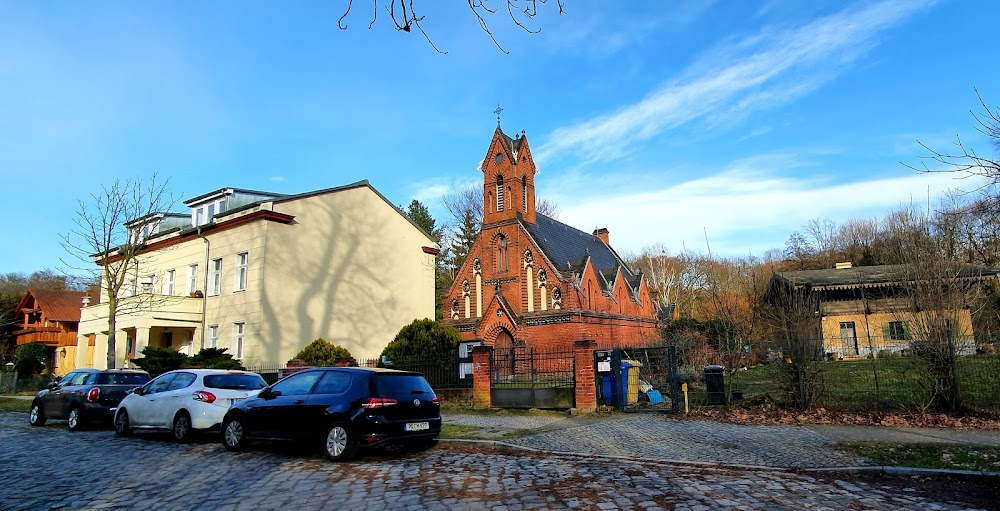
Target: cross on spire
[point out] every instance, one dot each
(498, 111)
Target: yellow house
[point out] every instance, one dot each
(264, 274)
(50, 317)
(863, 311)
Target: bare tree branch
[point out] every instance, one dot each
(404, 16)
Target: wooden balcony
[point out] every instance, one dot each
(47, 335)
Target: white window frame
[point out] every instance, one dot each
(239, 335)
(216, 285)
(192, 284)
(212, 337)
(168, 282)
(242, 262)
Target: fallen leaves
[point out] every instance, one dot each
(760, 416)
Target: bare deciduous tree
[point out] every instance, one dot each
(100, 235)
(404, 15)
(466, 208)
(791, 316)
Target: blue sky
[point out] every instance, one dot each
(662, 122)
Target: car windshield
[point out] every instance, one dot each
(122, 379)
(395, 384)
(243, 381)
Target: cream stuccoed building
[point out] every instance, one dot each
(265, 274)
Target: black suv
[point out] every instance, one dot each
(84, 396)
(344, 408)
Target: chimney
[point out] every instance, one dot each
(603, 234)
(843, 266)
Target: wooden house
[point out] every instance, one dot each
(50, 317)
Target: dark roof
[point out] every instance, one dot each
(568, 248)
(58, 305)
(866, 276)
(513, 144)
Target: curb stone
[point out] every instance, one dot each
(905, 471)
(888, 470)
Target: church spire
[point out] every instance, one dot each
(508, 178)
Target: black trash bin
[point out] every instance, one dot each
(715, 385)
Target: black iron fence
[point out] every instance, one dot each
(645, 380)
(523, 367)
(441, 372)
(910, 375)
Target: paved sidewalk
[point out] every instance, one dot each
(694, 441)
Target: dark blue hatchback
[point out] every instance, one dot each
(343, 408)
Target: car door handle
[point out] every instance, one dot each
(299, 401)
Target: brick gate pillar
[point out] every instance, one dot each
(482, 369)
(586, 390)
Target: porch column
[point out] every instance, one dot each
(482, 370)
(101, 351)
(82, 342)
(121, 344)
(586, 389)
(141, 340)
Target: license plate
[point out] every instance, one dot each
(416, 426)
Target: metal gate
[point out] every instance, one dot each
(529, 378)
(638, 379)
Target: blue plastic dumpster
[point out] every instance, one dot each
(607, 390)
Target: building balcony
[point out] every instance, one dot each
(47, 335)
(144, 310)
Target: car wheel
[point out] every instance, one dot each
(122, 426)
(234, 434)
(182, 427)
(422, 445)
(339, 443)
(36, 417)
(74, 421)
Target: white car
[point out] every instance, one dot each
(185, 401)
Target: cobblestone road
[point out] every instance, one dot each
(50, 468)
(664, 438)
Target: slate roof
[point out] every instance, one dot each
(568, 248)
(513, 144)
(57, 305)
(867, 276)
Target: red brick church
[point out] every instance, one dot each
(532, 281)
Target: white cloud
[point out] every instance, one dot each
(757, 72)
(748, 208)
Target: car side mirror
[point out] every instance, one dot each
(52, 384)
(137, 391)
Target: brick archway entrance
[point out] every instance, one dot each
(505, 354)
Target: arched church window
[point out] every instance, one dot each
(477, 266)
(499, 193)
(454, 309)
(542, 276)
(465, 288)
(529, 259)
(502, 254)
(556, 298)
